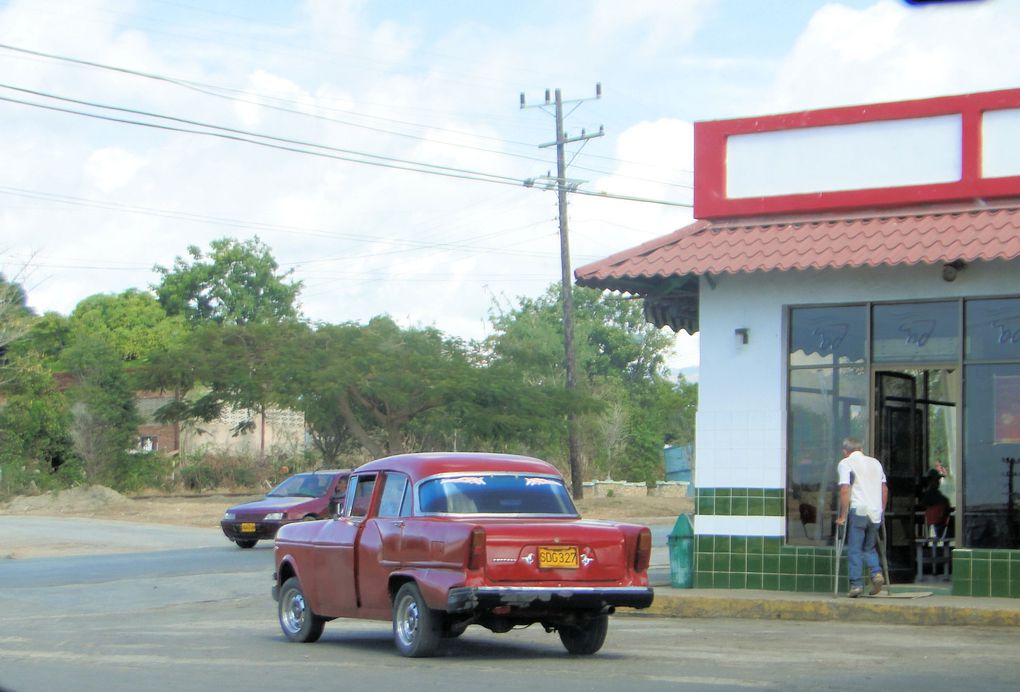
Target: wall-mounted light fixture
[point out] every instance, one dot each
(741, 335)
(951, 269)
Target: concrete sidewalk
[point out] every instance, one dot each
(936, 609)
(940, 608)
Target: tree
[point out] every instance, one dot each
(379, 378)
(237, 366)
(35, 422)
(15, 318)
(105, 422)
(132, 322)
(624, 398)
(234, 283)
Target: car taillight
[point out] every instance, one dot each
(643, 554)
(476, 550)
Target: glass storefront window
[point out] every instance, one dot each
(916, 332)
(828, 335)
(993, 329)
(991, 482)
(826, 405)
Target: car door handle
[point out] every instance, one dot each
(399, 524)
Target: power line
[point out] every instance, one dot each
(213, 90)
(409, 245)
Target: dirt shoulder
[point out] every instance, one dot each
(205, 511)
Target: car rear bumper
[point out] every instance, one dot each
(264, 530)
(464, 599)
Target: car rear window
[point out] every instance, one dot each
(495, 494)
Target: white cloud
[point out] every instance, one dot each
(111, 169)
(890, 51)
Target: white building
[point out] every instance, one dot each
(853, 272)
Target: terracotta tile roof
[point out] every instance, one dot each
(917, 236)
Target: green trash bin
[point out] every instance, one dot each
(681, 553)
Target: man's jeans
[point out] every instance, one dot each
(860, 544)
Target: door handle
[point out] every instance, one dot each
(399, 524)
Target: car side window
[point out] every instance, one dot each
(393, 493)
(359, 495)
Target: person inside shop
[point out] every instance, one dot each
(932, 501)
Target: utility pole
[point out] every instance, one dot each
(562, 187)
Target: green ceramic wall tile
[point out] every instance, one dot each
(722, 544)
(961, 567)
(755, 545)
(770, 582)
(756, 506)
(980, 571)
(999, 588)
(755, 563)
(962, 587)
(771, 545)
(722, 506)
(980, 589)
(738, 562)
(738, 508)
(721, 562)
(787, 582)
(771, 564)
(788, 564)
(738, 544)
(754, 581)
(774, 507)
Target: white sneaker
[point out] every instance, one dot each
(877, 582)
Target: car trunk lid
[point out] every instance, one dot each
(554, 551)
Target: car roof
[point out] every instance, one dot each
(423, 465)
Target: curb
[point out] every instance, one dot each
(842, 610)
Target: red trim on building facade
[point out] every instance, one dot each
(710, 140)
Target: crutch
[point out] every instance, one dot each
(881, 554)
(840, 538)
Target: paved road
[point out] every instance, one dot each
(202, 619)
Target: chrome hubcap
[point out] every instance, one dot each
(407, 626)
(294, 612)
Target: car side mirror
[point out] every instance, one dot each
(335, 504)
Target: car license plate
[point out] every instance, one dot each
(248, 527)
(557, 557)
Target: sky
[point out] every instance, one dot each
(379, 147)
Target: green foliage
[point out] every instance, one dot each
(223, 334)
(105, 423)
(47, 338)
(236, 282)
(15, 321)
(133, 323)
(369, 384)
(626, 404)
(35, 436)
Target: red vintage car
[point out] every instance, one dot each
(438, 542)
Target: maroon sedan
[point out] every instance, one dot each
(438, 542)
(302, 497)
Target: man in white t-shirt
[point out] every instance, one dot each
(862, 498)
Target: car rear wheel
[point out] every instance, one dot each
(298, 622)
(416, 628)
(246, 542)
(586, 638)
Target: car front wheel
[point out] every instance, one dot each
(246, 542)
(298, 622)
(586, 638)
(416, 629)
